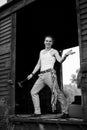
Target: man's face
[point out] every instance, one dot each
(48, 42)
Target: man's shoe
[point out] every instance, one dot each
(64, 116)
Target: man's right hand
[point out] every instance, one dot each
(29, 76)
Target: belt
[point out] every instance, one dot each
(45, 71)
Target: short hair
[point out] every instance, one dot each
(53, 40)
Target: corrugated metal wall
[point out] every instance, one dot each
(5, 54)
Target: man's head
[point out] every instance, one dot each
(48, 41)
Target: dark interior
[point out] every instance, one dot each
(34, 22)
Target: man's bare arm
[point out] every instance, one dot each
(37, 67)
(61, 59)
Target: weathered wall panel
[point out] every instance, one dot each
(5, 58)
(82, 12)
(12, 6)
(82, 31)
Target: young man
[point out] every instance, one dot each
(47, 76)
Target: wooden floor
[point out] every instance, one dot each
(50, 118)
(46, 122)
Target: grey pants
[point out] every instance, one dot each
(44, 79)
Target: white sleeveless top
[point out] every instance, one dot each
(47, 60)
